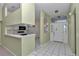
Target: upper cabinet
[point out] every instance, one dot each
(28, 13)
(0, 13)
(20, 13)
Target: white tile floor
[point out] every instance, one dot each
(50, 49)
(4, 52)
(53, 49)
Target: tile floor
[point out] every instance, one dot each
(37, 43)
(50, 49)
(4, 52)
(53, 49)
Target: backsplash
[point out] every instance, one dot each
(13, 29)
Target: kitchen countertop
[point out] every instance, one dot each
(18, 36)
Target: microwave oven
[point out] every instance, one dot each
(22, 27)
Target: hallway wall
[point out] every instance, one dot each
(72, 33)
(77, 29)
(44, 27)
(74, 42)
(0, 33)
(0, 23)
(71, 28)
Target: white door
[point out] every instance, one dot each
(58, 32)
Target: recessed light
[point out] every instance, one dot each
(56, 11)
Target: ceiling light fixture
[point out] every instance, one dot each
(56, 11)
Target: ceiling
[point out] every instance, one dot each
(1, 4)
(12, 6)
(50, 8)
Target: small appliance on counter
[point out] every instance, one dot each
(22, 30)
(22, 27)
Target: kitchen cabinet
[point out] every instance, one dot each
(20, 45)
(28, 13)
(25, 14)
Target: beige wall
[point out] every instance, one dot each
(77, 29)
(71, 28)
(72, 33)
(0, 13)
(0, 22)
(0, 33)
(44, 36)
(9, 42)
(74, 12)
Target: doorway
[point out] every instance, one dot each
(59, 31)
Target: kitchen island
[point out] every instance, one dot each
(20, 45)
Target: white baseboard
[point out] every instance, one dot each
(9, 50)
